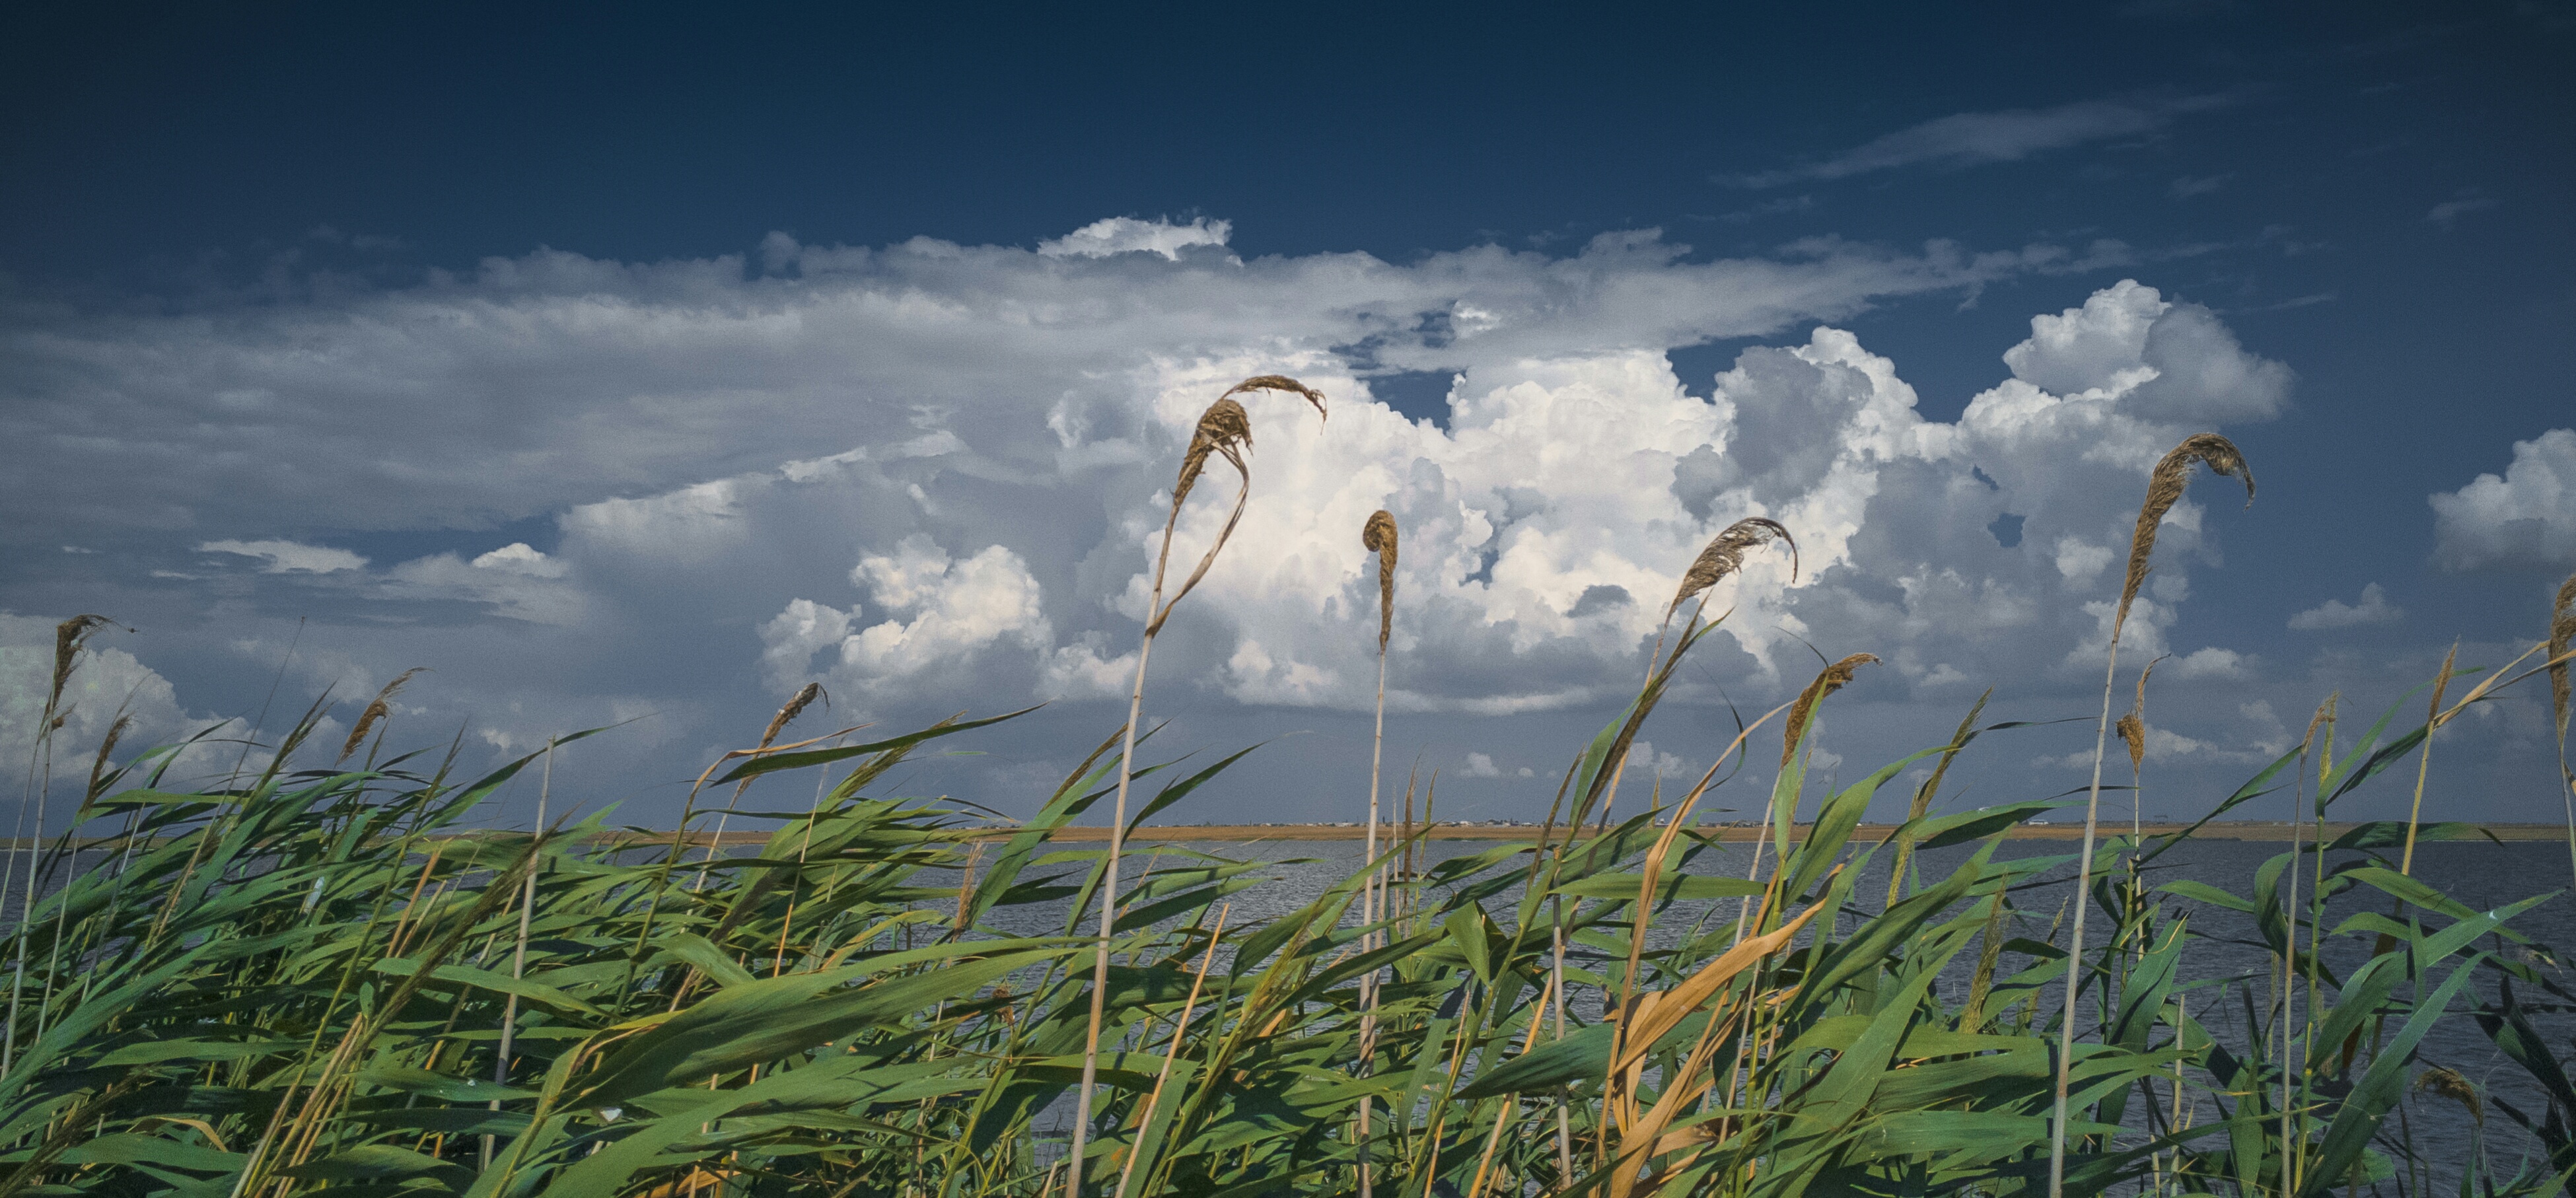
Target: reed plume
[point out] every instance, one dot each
(375, 712)
(1224, 431)
(1725, 555)
(1834, 678)
(2165, 487)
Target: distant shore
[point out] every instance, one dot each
(2250, 830)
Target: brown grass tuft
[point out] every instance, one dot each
(375, 711)
(1835, 677)
(2562, 631)
(1725, 555)
(2164, 489)
(1378, 536)
(1279, 382)
(795, 707)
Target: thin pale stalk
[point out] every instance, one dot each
(2424, 766)
(1173, 1051)
(1108, 918)
(2075, 951)
(519, 953)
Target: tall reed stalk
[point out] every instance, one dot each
(2562, 633)
(1377, 536)
(1224, 430)
(2164, 488)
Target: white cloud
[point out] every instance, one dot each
(2374, 608)
(958, 608)
(1480, 765)
(106, 681)
(1974, 138)
(2448, 212)
(2188, 186)
(288, 557)
(2527, 517)
(1127, 235)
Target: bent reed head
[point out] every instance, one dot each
(1725, 555)
(2164, 489)
(1378, 536)
(1835, 677)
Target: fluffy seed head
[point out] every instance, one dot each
(1378, 535)
(2164, 489)
(1835, 677)
(1725, 555)
(2133, 726)
(795, 707)
(375, 711)
(106, 749)
(2562, 632)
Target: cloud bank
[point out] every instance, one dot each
(932, 477)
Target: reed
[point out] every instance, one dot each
(1224, 431)
(2164, 489)
(1378, 536)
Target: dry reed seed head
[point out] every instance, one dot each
(377, 710)
(1378, 535)
(1725, 555)
(795, 706)
(2562, 632)
(1835, 677)
(70, 637)
(107, 749)
(1280, 382)
(1225, 428)
(2164, 489)
(2451, 1084)
(2133, 733)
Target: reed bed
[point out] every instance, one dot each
(329, 979)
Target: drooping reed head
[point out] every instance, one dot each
(1224, 430)
(1378, 536)
(2133, 726)
(2562, 633)
(2164, 489)
(2452, 1084)
(1279, 382)
(382, 707)
(1835, 677)
(795, 706)
(70, 637)
(1725, 555)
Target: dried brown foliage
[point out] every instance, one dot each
(1225, 429)
(1378, 536)
(1725, 555)
(2133, 726)
(106, 749)
(2164, 489)
(377, 710)
(1835, 677)
(2451, 1084)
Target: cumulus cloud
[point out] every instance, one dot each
(1480, 765)
(2374, 608)
(288, 557)
(1975, 138)
(956, 609)
(2525, 518)
(1127, 235)
(106, 682)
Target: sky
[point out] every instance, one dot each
(636, 368)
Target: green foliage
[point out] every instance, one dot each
(299, 985)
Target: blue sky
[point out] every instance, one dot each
(622, 366)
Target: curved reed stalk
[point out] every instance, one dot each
(2562, 631)
(1379, 537)
(1224, 430)
(2164, 489)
